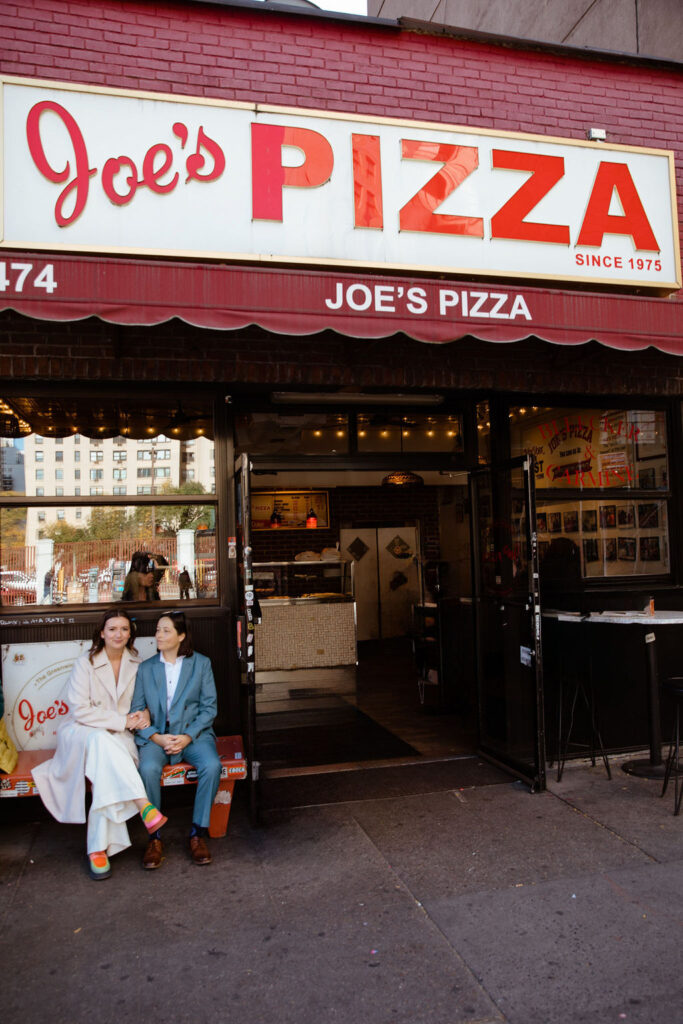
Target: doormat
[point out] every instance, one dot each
(356, 737)
(381, 783)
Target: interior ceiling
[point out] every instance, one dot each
(105, 418)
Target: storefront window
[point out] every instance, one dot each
(593, 449)
(270, 433)
(411, 432)
(600, 475)
(81, 553)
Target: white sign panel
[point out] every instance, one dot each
(87, 169)
(34, 678)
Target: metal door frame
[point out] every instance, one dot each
(245, 622)
(536, 781)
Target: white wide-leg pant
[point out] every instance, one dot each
(115, 784)
(108, 759)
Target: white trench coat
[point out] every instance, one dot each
(93, 742)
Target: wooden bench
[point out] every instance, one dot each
(233, 766)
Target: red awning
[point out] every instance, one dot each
(361, 305)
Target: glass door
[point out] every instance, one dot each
(246, 619)
(508, 619)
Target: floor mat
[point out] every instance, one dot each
(356, 737)
(380, 783)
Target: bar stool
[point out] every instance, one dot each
(580, 685)
(674, 687)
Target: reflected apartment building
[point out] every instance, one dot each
(78, 465)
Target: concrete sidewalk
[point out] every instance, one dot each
(448, 906)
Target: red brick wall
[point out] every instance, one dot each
(267, 57)
(298, 60)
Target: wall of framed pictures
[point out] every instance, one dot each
(602, 485)
(613, 537)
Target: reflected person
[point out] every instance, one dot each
(139, 584)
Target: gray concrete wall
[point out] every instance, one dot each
(652, 28)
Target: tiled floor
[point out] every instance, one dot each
(388, 692)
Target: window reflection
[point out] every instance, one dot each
(593, 449)
(270, 433)
(43, 441)
(83, 555)
(379, 432)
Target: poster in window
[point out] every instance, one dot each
(608, 516)
(626, 515)
(571, 521)
(589, 520)
(648, 516)
(610, 549)
(554, 522)
(591, 550)
(649, 549)
(651, 434)
(626, 549)
(542, 522)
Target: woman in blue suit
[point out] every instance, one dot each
(176, 685)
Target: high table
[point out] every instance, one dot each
(652, 767)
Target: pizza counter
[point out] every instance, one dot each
(305, 643)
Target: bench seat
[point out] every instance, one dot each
(233, 766)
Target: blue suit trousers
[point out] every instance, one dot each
(201, 754)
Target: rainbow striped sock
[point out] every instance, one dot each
(99, 864)
(152, 818)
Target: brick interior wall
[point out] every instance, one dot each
(385, 506)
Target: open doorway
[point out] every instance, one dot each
(365, 649)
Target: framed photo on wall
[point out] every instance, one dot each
(288, 510)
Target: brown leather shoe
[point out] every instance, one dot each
(199, 851)
(154, 854)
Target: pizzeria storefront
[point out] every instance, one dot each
(292, 354)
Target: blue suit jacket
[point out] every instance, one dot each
(194, 702)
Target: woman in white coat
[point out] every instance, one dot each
(95, 742)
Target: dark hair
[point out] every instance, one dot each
(181, 625)
(98, 639)
(141, 562)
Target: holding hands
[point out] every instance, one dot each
(138, 719)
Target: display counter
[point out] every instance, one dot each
(305, 644)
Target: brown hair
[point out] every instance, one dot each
(181, 625)
(98, 639)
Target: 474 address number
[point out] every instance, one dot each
(15, 277)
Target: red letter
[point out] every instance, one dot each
(269, 177)
(26, 712)
(195, 162)
(599, 222)
(150, 175)
(458, 162)
(109, 172)
(83, 173)
(367, 181)
(509, 222)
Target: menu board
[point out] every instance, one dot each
(288, 510)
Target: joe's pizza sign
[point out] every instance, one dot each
(94, 170)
